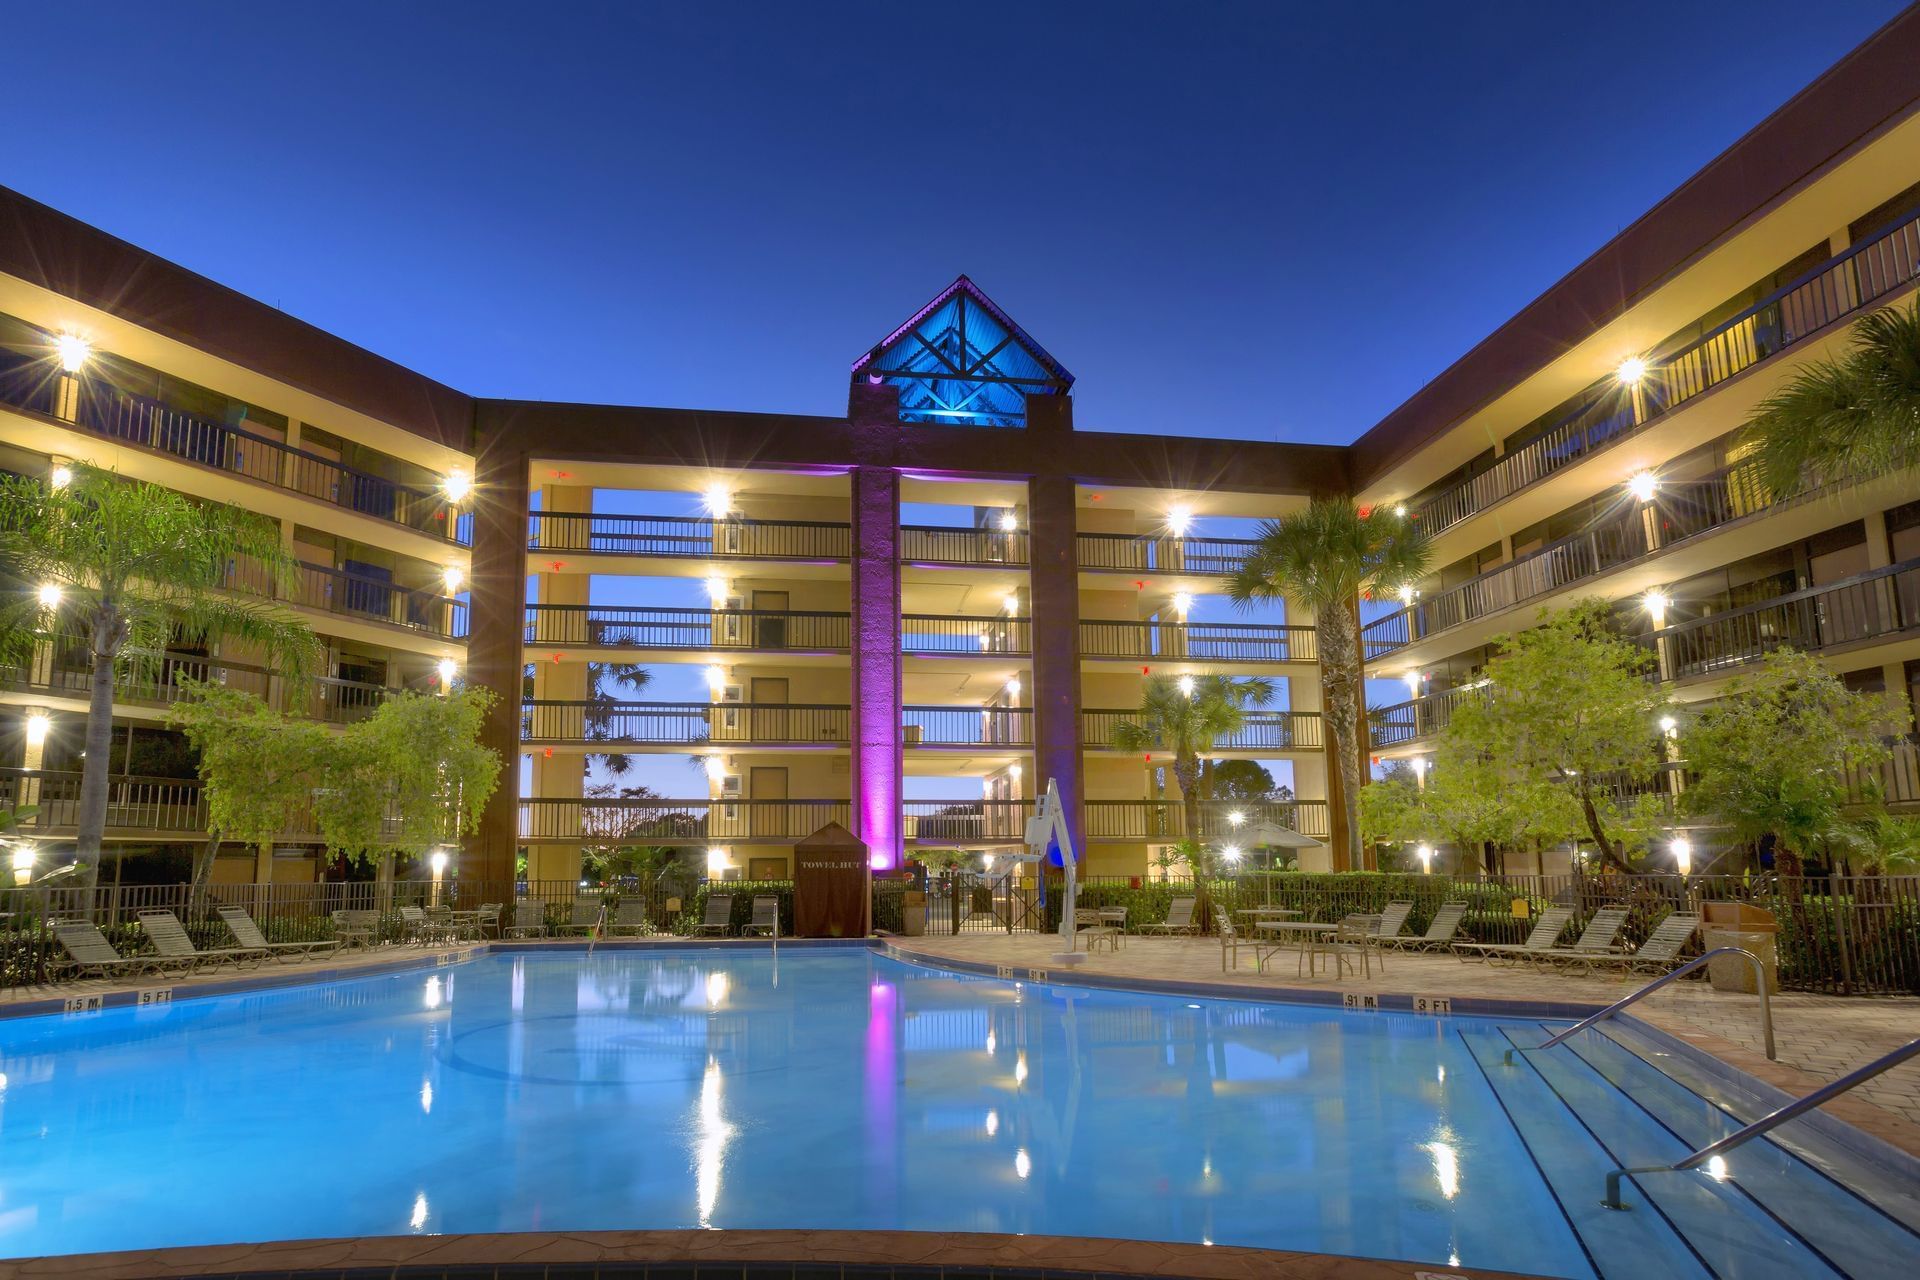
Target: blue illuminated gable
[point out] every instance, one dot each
(962, 360)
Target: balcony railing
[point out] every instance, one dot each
(1417, 718)
(638, 627)
(1132, 553)
(689, 537)
(1199, 641)
(1678, 511)
(349, 595)
(1157, 820)
(134, 804)
(684, 724)
(1869, 606)
(1842, 286)
(955, 634)
(616, 822)
(929, 726)
(932, 544)
(1261, 731)
(142, 423)
(967, 822)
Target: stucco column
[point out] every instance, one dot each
(877, 770)
(1055, 578)
(499, 591)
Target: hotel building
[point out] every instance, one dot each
(908, 618)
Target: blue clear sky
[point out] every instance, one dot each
(1260, 220)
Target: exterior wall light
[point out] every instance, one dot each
(716, 769)
(1186, 685)
(1425, 854)
(718, 500)
(1179, 520)
(716, 861)
(22, 861)
(1656, 603)
(716, 680)
(1415, 683)
(717, 590)
(1231, 853)
(1682, 855)
(447, 668)
(1015, 772)
(1631, 370)
(452, 576)
(73, 351)
(1011, 601)
(457, 485)
(38, 725)
(49, 594)
(1236, 818)
(1009, 522)
(1013, 687)
(1642, 486)
(1400, 510)
(1668, 724)
(1183, 603)
(438, 861)
(61, 476)
(1406, 595)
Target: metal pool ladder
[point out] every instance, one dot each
(1759, 984)
(1798, 1106)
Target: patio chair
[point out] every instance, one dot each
(1179, 918)
(1089, 927)
(90, 955)
(1393, 920)
(718, 916)
(1661, 949)
(486, 922)
(529, 919)
(421, 929)
(169, 938)
(1596, 939)
(630, 919)
(1233, 942)
(1353, 935)
(766, 917)
(584, 918)
(355, 928)
(1440, 930)
(1546, 931)
(247, 934)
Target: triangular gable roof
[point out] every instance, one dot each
(961, 359)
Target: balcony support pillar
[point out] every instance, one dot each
(498, 619)
(877, 790)
(1055, 579)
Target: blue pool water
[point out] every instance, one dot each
(840, 1088)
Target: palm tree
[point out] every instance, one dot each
(1855, 415)
(1185, 716)
(1326, 558)
(607, 684)
(134, 567)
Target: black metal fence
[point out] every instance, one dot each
(694, 537)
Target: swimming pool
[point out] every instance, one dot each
(732, 1088)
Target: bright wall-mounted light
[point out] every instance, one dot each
(456, 485)
(1668, 724)
(1179, 520)
(1682, 855)
(448, 669)
(438, 861)
(1656, 603)
(1015, 772)
(73, 352)
(1420, 766)
(718, 499)
(1009, 522)
(717, 590)
(716, 679)
(60, 476)
(1425, 854)
(716, 769)
(38, 725)
(1236, 818)
(1011, 603)
(717, 861)
(1642, 485)
(49, 595)
(1407, 594)
(1231, 853)
(451, 577)
(1631, 370)
(22, 864)
(1013, 687)
(1183, 603)
(1415, 683)
(1400, 510)
(1186, 685)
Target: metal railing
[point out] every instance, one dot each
(126, 419)
(1417, 718)
(610, 823)
(939, 726)
(1158, 820)
(966, 822)
(134, 804)
(689, 724)
(349, 595)
(1672, 975)
(1772, 1120)
(1199, 641)
(1844, 285)
(638, 627)
(956, 634)
(1868, 606)
(935, 544)
(1259, 731)
(689, 537)
(1126, 552)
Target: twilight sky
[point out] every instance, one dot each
(1261, 220)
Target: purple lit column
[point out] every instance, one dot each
(1056, 643)
(876, 664)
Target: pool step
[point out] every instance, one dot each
(1856, 1236)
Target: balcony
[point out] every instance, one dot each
(1197, 641)
(137, 422)
(1416, 718)
(1879, 605)
(689, 538)
(347, 595)
(1262, 731)
(1843, 286)
(954, 635)
(688, 822)
(1680, 511)
(1165, 820)
(137, 808)
(936, 544)
(684, 724)
(966, 822)
(978, 727)
(1130, 553)
(695, 630)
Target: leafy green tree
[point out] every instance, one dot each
(1570, 705)
(1246, 780)
(1469, 802)
(258, 767)
(1858, 414)
(1773, 752)
(137, 567)
(1326, 558)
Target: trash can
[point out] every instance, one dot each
(913, 913)
(1751, 928)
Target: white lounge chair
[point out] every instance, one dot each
(1440, 930)
(247, 934)
(90, 955)
(1546, 932)
(1179, 918)
(584, 918)
(1596, 939)
(1661, 949)
(630, 919)
(170, 939)
(766, 917)
(529, 919)
(718, 915)
(1392, 920)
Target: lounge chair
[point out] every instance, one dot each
(1179, 918)
(1661, 949)
(630, 918)
(247, 934)
(1440, 930)
(1393, 920)
(584, 918)
(766, 917)
(529, 919)
(1596, 939)
(1546, 932)
(90, 955)
(718, 916)
(170, 939)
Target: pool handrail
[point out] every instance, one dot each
(1759, 983)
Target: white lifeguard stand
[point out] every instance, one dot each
(1047, 831)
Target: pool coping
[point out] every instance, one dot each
(746, 1254)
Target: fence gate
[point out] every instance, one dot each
(975, 902)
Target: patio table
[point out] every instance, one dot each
(1300, 933)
